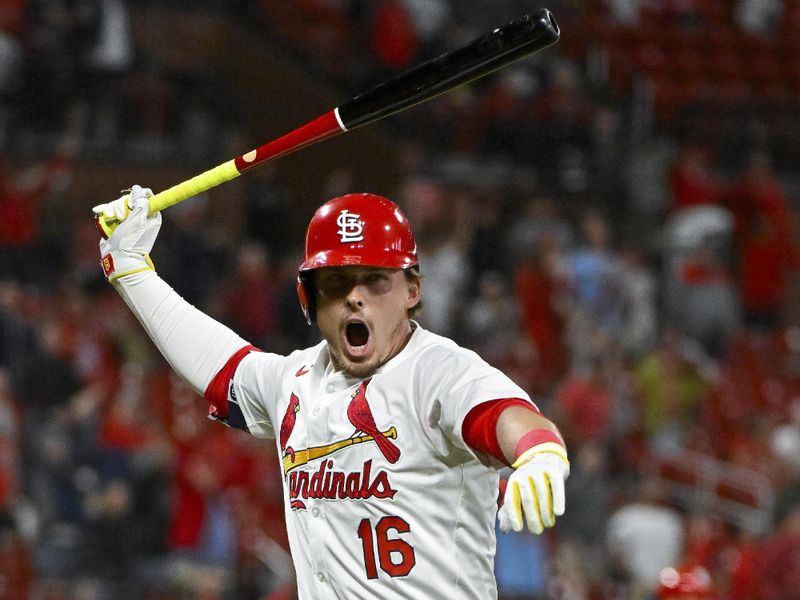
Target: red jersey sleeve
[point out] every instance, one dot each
(480, 425)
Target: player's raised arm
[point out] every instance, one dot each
(194, 344)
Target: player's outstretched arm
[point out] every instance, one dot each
(536, 451)
(195, 345)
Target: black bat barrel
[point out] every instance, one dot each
(488, 53)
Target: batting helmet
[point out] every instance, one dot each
(355, 229)
(694, 582)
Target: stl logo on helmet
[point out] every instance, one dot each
(351, 227)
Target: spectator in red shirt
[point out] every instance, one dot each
(584, 405)
(741, 565)
(762, 223)
(539, 289)
(249, 299)
(691, 180)
(393, 40)
(779, 561)
(22, 198)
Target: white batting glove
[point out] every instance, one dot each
(127, 250)
(535, 489)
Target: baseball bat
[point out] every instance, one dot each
(427, 80)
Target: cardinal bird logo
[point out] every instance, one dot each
(287, 425)
(360, 416)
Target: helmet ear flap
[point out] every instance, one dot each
(305, 293)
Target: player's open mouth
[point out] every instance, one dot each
(356, 335)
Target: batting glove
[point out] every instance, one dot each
(535, 489)
(127, 250)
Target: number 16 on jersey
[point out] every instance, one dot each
(394, 555)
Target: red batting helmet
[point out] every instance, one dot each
(694, 582)
(355, 229)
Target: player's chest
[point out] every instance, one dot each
(339, 439)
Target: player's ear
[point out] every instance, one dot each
(414, 285)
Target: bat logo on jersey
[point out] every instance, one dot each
(351, 228)
(299, 458)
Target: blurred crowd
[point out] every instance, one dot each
(637, 275)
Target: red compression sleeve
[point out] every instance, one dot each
(480, 425)
(216, 393)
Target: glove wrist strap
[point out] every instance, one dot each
(537, 441)
(117, 264)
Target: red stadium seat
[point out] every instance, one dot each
(687, 64)
(724, 65)
(721, 38)
(651, 59)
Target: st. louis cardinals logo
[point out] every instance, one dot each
(351, 228)
(327, 482)
(287, 425)
(361, 417)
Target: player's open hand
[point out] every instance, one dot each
(535, 489)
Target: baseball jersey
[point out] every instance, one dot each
(384, 499)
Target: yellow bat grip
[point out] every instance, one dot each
(191, 187)
(107, 223)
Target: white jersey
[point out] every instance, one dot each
(384, 499)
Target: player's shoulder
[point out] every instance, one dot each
(304, 355)
(439, 351)
(257, 362)
(434, 342)
(439, 364)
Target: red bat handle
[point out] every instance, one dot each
(321, 128)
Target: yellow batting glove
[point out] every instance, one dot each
(127, 250)
(535, 490)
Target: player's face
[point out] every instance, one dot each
(362, 313)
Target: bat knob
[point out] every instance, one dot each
(109, 215)
(104, 228)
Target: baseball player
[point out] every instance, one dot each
(390, 437)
